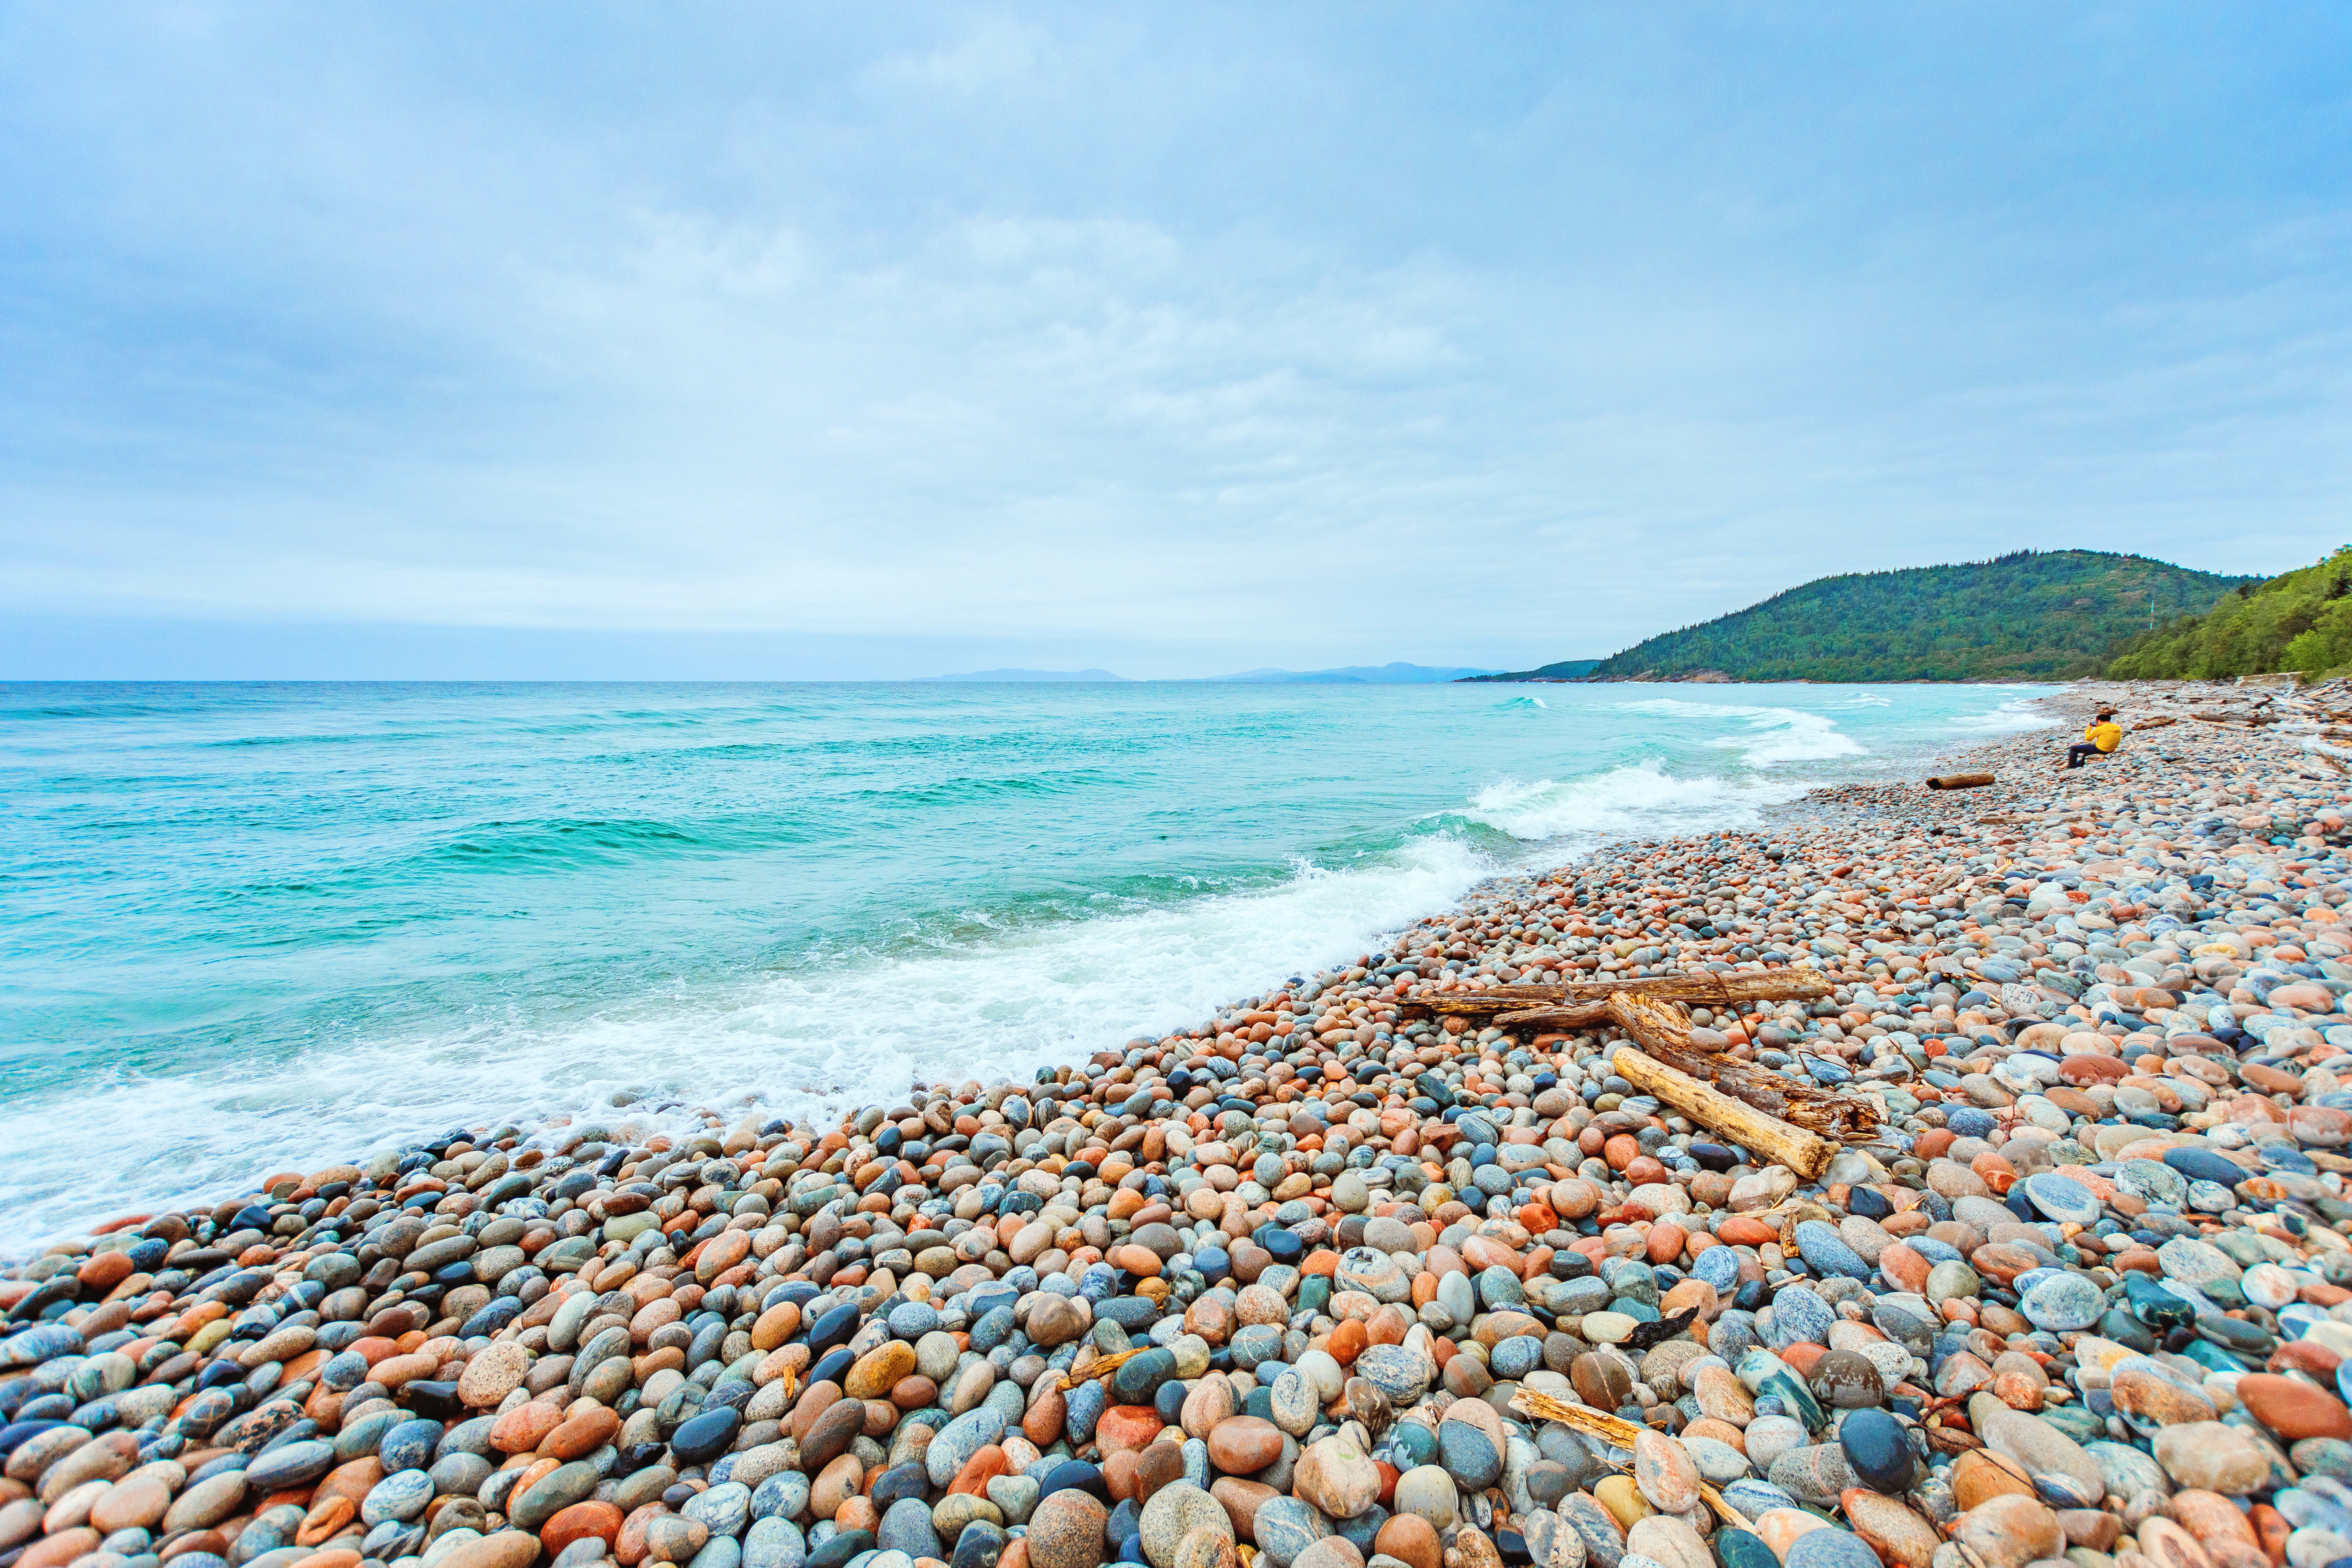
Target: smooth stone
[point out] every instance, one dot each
(1174, 1512)
(1831, 1549)
(1286, 1527)
(1427, 1492)
(1878, 1451)
(1815, 1474)
(2211, 1457)
(1066, 1530)
(2062, 1303)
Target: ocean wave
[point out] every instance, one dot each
(561, 843)
(1776, 735)
(971, 788)
(1677, 707)
(2012, 717)
(1638, 799)
(809, 1042)
(264, 960)
(1789, 735)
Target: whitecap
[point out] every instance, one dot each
(2013, 717)
(1790, 735)
(802, 1044)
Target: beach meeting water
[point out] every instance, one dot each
(263, 920)
(1000, 786)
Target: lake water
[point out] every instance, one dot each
(254, 926)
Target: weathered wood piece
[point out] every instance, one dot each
(1959, 781)
(1768, 1137)
(1565, 1017)
(1707, 988)
(1662, 1028)
(1618, 1433)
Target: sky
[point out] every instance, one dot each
(606, 340)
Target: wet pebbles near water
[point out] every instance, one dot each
(1281, 1286)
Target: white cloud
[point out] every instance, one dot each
(1240, 340)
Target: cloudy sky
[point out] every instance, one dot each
(610, 340)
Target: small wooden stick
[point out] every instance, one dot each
(1663, 1032)
(1719, 991)
(1100, 1368)
(1807, 1154)
(1617, 1431)
(1571, 1015)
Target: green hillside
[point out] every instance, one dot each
(2053, 615)
(1565, 669)
(2299, 620)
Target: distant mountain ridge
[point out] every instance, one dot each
(1396, 674)
(1565, 669)
(1028, 674)
(2055, 614)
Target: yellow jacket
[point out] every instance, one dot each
(2106, 736)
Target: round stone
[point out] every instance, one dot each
(1831, 1549)
(2062, 1303)
(1665, 1471)
(1428, 1492)
(1066, 1530)
(1175, 1511)
(1468, 1452)
(2061, 1198)
(1878, 1451)
(1847, 1380)
(1826, 1252)
(1799, 1317)
(1284, 1527)
(1337, 1477)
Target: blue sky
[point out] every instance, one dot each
(602, 340)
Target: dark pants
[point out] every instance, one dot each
(2076, 752)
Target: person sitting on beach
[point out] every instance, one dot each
(2100, 736)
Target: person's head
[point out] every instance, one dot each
(2106, 713)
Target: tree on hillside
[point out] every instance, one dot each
(2299, 621)
(2029, 615)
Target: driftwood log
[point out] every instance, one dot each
(1618, 1433)
(1663, 1031)
(1768, 1113)
(1708, 989)
(1770, 1138)
(1664, 1037)
(1556, 1018)
(1959, 781)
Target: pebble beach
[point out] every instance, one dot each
(1337, 1278)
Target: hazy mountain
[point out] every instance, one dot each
(1565, 669)
(1013, 675)
(1397, 674)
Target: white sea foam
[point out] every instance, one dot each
(1681, 707)
(2012, 717)
(1620, 802)
(821, 1037)
(1790, 735)
(792, 1044)
(1773, 735)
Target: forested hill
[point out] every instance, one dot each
(2299, 620)
(2035, 615)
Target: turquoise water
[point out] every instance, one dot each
(247, 925)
